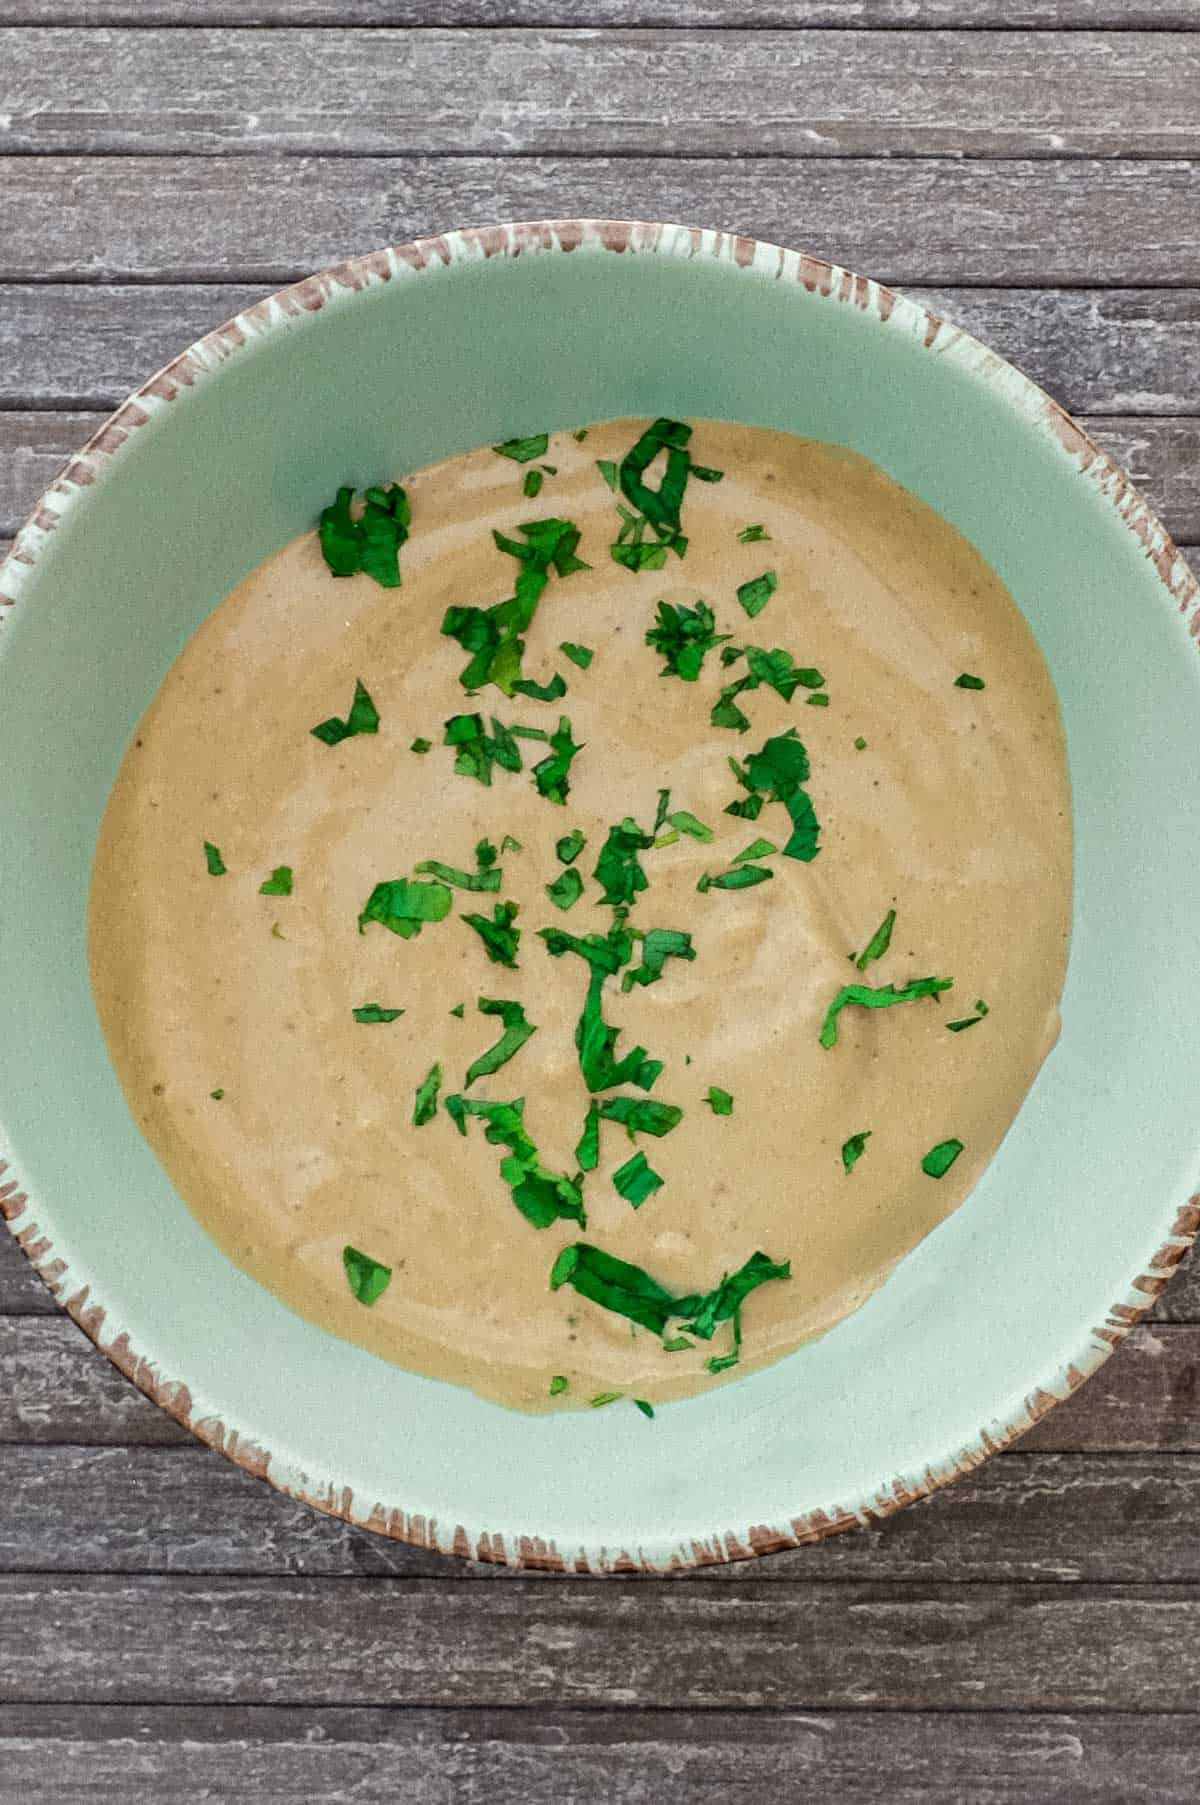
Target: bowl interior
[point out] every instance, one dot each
(1003, 1298)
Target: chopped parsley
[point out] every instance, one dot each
(500, 938)
(214, 861)
(647, 1410)
(618, 868)
(368, 1279)
(657, 510)
(421, 745)
(486, 875)
(879, 942)
(605, 954)
(740, 877)
(558, 1385)
(517, 1030)
(939, 1159)
(969, 1021)
(757, 849)
(475, 752)
(532, 486)
(363, 718)
(541, 1196)
(580, 655)
(719, 1101)
(426, 1101)
(566, 889)
(629, 1291)
(568, 849)
(860, 744)
(755, 594)
(865, 998)
(375, 1012)
(641, 1115)
(541, 692)
(580, 436)
(371, 543)
(458, 1011)
(606, 1397)
(508, 844)
(775, 774)
(550, 775)
(636, 1180)
(685, 823)
(682, 636)
(753, 535)
(775, 668)
(493, 636)
(853, 1150)
(608, 471)
(216, 1095)
(403, 905)
(820, 700)
(587, 1153)
(278, 884)
(523, 451)
(658, 945)
(967, 681)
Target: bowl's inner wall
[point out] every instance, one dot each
(1085, 1186)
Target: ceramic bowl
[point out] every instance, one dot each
(414, 353)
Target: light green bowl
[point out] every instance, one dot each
(409, 355)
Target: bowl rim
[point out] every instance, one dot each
(340, 283)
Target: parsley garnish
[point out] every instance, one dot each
(967, 681)
(757, 849)
(363, 718)
(566, 889)
(476, 752)
(367, 1278)
(969, 1021)
(541, 1196)
(605, 954)
(774, 668)
(426, 1101)
(587, 1153)
(214, 861)
(568, 849)
(486, 876)
(493, 635)
(550, 775)
(636, 1180)
(618, 868)
(719, 1101)
(523, 451)
(628, 1291)
(751, 535)
(541, 692)
(641, 1115)
(558, 1385)
(458, 1011)
(500, 938)
(659, 508)
(939, 1159)
(508, 844)
(775, 774)
(658, 945)
(420, 745)
(686, 823)
(532, 486)
(372, 542)
(682, 636)
(516, 1032)
(580, 436)
(580, 655)
(606, 1397)
(879, 942)
(278, 884)
(374, 1012)
(860, 744)
(755, 594)
(741, 877)
(853, 1149)
(646, 1409)
(403, 905)
(216, 1095)
(820, 700)
(883, 998)
(608, 471)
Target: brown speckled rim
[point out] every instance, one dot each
(559, 237)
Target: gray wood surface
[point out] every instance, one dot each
(818, 94)
(981, 221)
(173, 1632)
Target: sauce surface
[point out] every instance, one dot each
(956, 814)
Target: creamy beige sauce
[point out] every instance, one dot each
(956, 814)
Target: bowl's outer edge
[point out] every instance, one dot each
(620, 237)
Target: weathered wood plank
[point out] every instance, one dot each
(1058, 15)
(1082, 1517)
(58, 1389)
(1163, 457)
(504, 93)
(115, 1755)
(929, 220)
(749, 1644)
(1111, 351)
(22, 1293)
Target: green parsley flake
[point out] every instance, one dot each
(639, 1115)
(656, 510)
(879, 942)
(969, 1021)
(523, 451)
(605, 954)
(566, 890)
(550, 775)
(853, 1149)
(541, 692)
(628, 1291)
(580, 436)
(686, 823)
(500, 938)
(426, 1101)
(541, 1196)
(458, 1010)
(493, 636)
(587, 1153)
(860, 744)
(606, 1397)
(420, 745)
(967, 681)
(820, 700)
(775, 774)
(568, 849)
(508, 844)
(367, 1278)
(608, 471)
(636, 1180)
(532, 486)
(757, 849)
(558, 1385)
(647, 1410)
(475, 752)
(678, 1344)
(214, 861)
(371, 543)
(216, 1095)
(682, 636)
(719, 1101)
(939, 1159)
(374, 1012)
(753, 535)
(486, 875)
(403, 905)
(580, 655)
(755, 594)
(741, 877)
(883, 998)
(658, 945)
(278, 884)
(516, 1032)
(363, 718)
(618, 868)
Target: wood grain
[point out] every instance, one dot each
(1162, 456)
(1039, 15)
(57, 1388)
(1049, 1517)
(505, 93)
(982, 222)
(186, 1755)
(748, 1644)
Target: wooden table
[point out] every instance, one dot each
(171, 1630)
